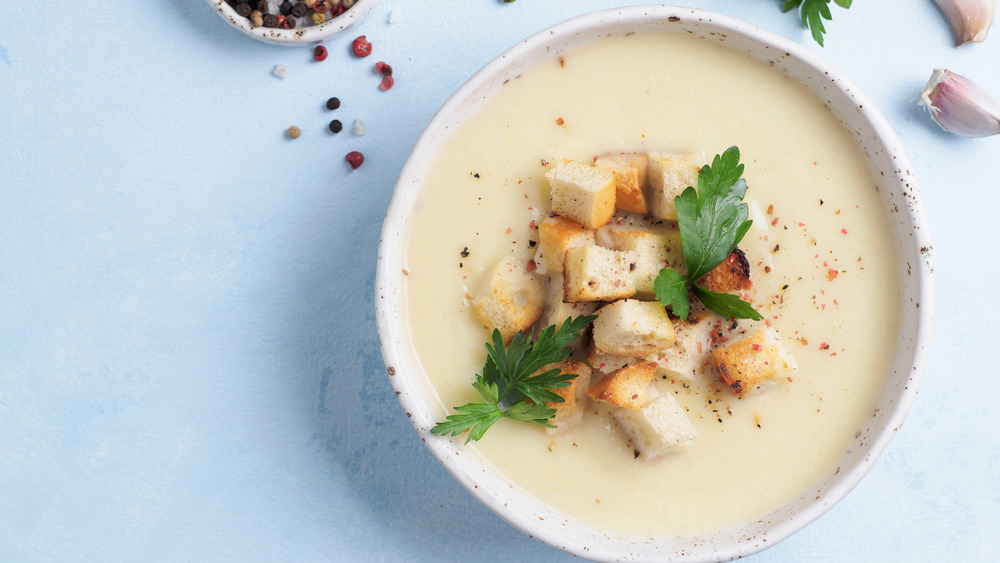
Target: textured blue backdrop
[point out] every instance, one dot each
(189, 367)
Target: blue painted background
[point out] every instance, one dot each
(189, 367)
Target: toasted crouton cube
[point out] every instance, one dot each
(555, 236)
(592, 273)
(557, 311)
(607, 363)
(657, 428)
(570, 411)
(655, 251)
(757, 358)
(669, 175)
(630, 387)
(633, 328)
(582, 192)
(690, 356)
(732, 274)
(512, 301)
(629, 169)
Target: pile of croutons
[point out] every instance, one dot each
(612, 228)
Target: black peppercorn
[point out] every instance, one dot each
(333, 103)
(263, 6)
(270, 20)
(336, 126)
(243, 9)
(299, 9)
(285, 8)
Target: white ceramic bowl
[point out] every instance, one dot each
(898, 190)
(305, 35)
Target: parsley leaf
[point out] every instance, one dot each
(726, 304)
(508, 383)
(671, 289)
(712, 221)
(813, 12)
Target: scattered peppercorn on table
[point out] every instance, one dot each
(189, 222)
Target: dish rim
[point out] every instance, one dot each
(389, 292)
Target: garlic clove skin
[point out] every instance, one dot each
(971, 19)
(960, 106)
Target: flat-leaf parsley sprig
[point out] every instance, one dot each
(712, 221)
(813, 12)
(507, 385)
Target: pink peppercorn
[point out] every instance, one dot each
(383, 68)
(386, 83)
(361, 47)
(319, 53)
(355, 159)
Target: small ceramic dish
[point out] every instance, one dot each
(909, 236)
(303, 35)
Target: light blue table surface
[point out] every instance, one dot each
(189, 365)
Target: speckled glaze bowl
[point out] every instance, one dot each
(898, 189)
(305, 35)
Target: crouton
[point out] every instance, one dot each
(512, 301)
(630, 387)
(582, 192)
(657, 428)
(592, 273)
(633, 328)
(655, 253)
(607, 363)
(555, 236)
(557, 311)
(570, 411)
(732, 274)
(746, 363)
(629, 169)
(690, 356)
(668, 176)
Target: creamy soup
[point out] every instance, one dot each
(830, 292)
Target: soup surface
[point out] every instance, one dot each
(830, 292)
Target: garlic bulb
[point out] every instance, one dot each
(960, 106)
(971, 19)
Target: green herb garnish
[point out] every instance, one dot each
(813, 12)
(712, 221)
(508, 386)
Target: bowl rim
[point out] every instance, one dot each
(298, 36)
(392, 330)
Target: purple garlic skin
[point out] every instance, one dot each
(971, 19)
(961, 106)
